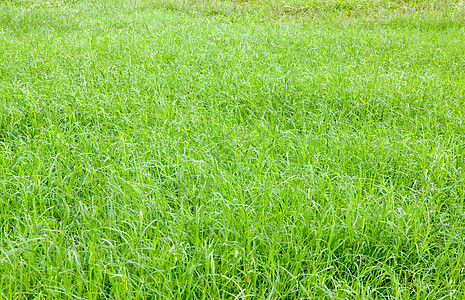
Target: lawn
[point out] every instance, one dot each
(175, 149)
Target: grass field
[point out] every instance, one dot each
(175, 149)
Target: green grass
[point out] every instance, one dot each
(149, 150)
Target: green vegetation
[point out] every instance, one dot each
(232, 150)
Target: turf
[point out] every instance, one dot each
(164, 150)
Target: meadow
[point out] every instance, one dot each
(208, 149)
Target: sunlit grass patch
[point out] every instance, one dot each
(40, 3)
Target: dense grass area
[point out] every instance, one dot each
(154, 151)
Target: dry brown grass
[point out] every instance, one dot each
(301, 10)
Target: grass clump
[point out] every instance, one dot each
(152, 154)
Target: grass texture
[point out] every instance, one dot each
(152, 152)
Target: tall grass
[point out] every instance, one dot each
(147, 153)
